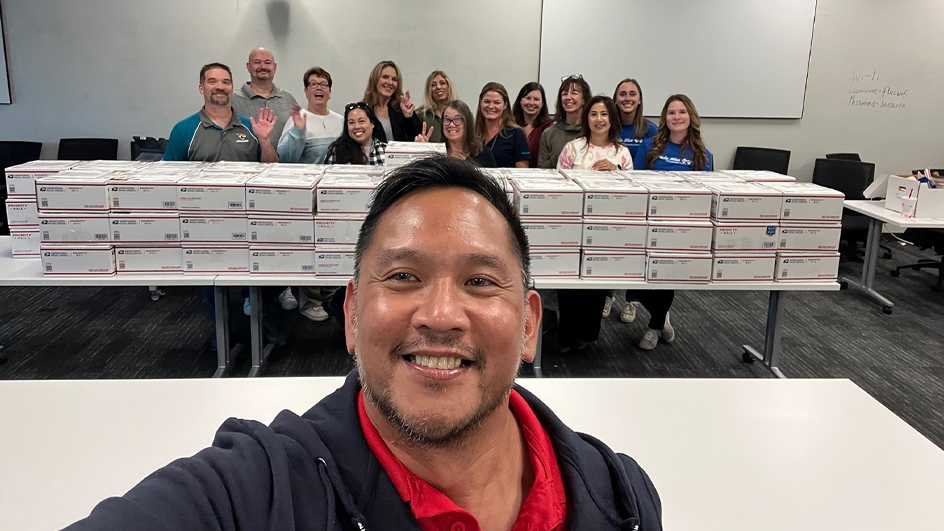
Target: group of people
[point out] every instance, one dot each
(587, 132)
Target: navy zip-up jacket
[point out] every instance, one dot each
(316, 472)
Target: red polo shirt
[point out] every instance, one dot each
(544, 509)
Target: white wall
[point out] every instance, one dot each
(107, 68)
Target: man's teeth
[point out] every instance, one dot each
(437, 363)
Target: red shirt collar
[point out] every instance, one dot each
(544, 509)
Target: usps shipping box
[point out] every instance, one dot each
(22, 213)
(687, 236)
(21, 179)
(213, 192)
(282, 260)
(337, 229)
(555, 263)
(90, 259)
(215, 258)
(679, 267)
(25, 242)
(760, 176)
(144, 191)
(145, 227)
(342, 193)
(281, 193)
(807, 267)
(678, 200)
(213, 228)
(743, 267)
(809, 202)
(624, 234)
(614, 198)
(334, 261)
(809, 236)
(548, 198)
(79, 227)
(148, 259)
(281, 229)
(73, 190)
(733, 237)
(400, 153)
(744, 202)
(553, 232)
(623, 265)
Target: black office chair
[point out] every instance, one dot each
(851, 178)
(148, 148)
(11, 154)
(88, 149)
(844, 156)
(926, 239)
(755, 158)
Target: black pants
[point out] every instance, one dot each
(581, 311)
(658, 302)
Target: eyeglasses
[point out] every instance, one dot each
(574, 77)
(314, 85)
(453, 121)
(355, 105)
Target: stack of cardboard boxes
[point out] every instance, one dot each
(22, 211)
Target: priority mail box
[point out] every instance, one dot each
(73, 190)
(614, 198)
(929, 201)
(746, 236)
(807, 266)
(89, 259)
(688, 236)
(212, 192)
(707, 177)
(679, 267)
(146, 191)
(334, 261)
(281, 229)
(400, 153)
(282, 193)
(282, 260)
(743, 267)
(731, 201)
(548, 197)
(623, 233)
(110, 165)
(642, 176)
(809, 202)
(179, 165)
(808, 236)
(21, 179)
(145, 227)
(553, 232)
(624, 265)
(337, 229)
(760, 176)
(593, 175)
(238, 167)
(533, 173)
(556, 263)
(79, 227)
(22, 213)
(678, 200)
(215, 258)
(213, 228)
(25, 242)
(148, 259)
(343, 193)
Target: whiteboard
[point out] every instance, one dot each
(734, 58)
(4, 76)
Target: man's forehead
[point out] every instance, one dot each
(217, 73)
(261, 55)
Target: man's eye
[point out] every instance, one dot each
(480, 282)
(402, 277)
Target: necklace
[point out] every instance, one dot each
(324, 119)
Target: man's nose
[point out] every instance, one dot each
(442, 307)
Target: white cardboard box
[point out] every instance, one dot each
(213, 228)
(334, 261)
(809, 202)
(74, 227)
(215, 259)
(685, 236)
(550, 198)
(281, 229)
(282, 260)
(343, 193)
(709, 177)
(212, 192)
(615, 233)
(73, 190)
(644, 176)
(553, 232)
(679, 267)
(734, 237)
(731, 201)
(21, 179)
(930, 202)
(145, 227)
(809, 236)
(761, 176)
(555, 263)
(148, 259)
(743, 267)
(400, 153)
(145, 191)
(279, 193)
(806, 267)
(90, 259)
(25, 242)
(613, 264)
(337, 230)
(678, 200)
(614, 198)
(22, 212)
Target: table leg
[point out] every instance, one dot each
(260, 351)
(771, 337)
(223, 355)
(869, 266)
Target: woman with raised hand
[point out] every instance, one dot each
(393, 109)
(636, 128)
(357, 145)
(439, 91)
(531, 114)
(677, 146)
(572, 95)
(461, 142)
(496, 127)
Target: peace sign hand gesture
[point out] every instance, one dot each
(406, 105)
(424, 136)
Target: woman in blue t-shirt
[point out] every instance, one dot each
(495, 125)
(677, 146)
(636, 128)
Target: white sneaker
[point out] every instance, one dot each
(668, 333)
(315, 313)
(650, 339)
(607, 306)
(287, 300)
(628, 314)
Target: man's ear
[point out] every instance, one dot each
(532, 325)
(350, 319)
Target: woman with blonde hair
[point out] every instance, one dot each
(439, 91)
(392, 108)
(495, 125)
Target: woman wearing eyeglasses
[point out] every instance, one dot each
(460, 142)
(439, 91)
(394, 110)
(572, 95)
(496, 127)
(311, 130)
(356, 145)
(531, 114)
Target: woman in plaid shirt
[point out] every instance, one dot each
(356, 144)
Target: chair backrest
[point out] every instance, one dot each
(88, 149)
(844, 156)
(848, 176)
(148, 148)
(15, 152)
(755, 158)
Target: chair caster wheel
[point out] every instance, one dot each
(895, 273)
(748, 358)
(843, 285)
(887, 310)
(157, 294)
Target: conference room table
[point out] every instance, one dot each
(879, 215)
(725, 455)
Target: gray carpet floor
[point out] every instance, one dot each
(55, 333)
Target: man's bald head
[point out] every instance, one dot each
(261, 66)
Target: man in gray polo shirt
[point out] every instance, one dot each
(261, 91)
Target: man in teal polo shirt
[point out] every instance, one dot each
(217, 132)
(261, 92)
